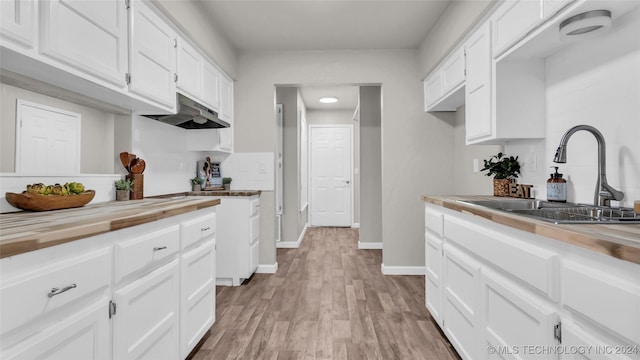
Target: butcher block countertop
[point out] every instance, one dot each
(25, 231)
(620, 241)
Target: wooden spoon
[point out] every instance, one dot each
(138, 166)
(124, 159)
(131, 158)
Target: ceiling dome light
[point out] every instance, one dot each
(590, 22)
(329, 100)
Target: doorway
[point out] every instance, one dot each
(331, 175)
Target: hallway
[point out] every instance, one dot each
(328, 300)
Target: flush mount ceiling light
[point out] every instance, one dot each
(329, 100)
(590, 22)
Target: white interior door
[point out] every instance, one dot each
(47, 141)
(331, 168)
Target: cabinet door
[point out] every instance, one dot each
(433, 277)
(211, 86)
(18, 22)
(512, 319)
(460, 313)
(84, 335)
(197, 295)
(225, 139)
(146, 322)
(90, 36)
(152, 55)
(512, 21)
(226, 100)
(589, 346)
(190, 66)
(478, 96)
(453, 71)
(432, 89)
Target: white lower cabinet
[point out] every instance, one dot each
(197, 295)
(513, 319)
(146, 324)
(461, 288)
(81, 336)
(238, 239)
(144, 292)
(510, 294)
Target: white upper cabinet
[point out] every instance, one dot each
(211, 86)
(226, 99)
(512, 21)
(444, 88)
(152, 55)
(190, 66)
(90, 36)
(432, 89)
(18, 22)
(478, 95)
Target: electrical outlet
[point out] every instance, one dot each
(476, 165)
(529, 162)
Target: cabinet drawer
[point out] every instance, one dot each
(143, 251)
(25, 298)
(433, 220)
(254, 232)
(608, 300)
(504, 249)
(195, 230)
(254, 207)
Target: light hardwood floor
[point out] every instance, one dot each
(328, 300)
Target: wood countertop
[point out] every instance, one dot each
(25, 231)
(619, 241)
(212, 193)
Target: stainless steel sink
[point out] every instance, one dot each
(518, 204)
(561, 213)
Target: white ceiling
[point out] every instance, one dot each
(324, 24)
(347, 97)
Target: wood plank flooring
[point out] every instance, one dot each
(328, 300)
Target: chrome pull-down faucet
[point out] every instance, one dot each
(604, 192)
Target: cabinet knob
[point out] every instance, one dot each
(56, 291)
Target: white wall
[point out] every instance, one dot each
(416, 146)
(595, 82)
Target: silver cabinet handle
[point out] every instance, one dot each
(56, 291)
(159, 248)
(205, 229)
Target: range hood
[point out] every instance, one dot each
(192, 115)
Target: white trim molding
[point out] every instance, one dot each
(267, 269)
(402, 270)
(293, 244)
(369, 245)
(355, 225)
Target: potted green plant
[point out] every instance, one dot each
(196, 183)
(123, 189)
(504, 170)
(226, 182)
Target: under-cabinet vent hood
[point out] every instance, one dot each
(192, 115)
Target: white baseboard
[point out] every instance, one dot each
(267, 269)
(355, 226)
(292, 244)
(369, 245)
(402, 270)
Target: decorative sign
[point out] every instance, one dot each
(520, 190)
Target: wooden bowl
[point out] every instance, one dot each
(36, 202)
